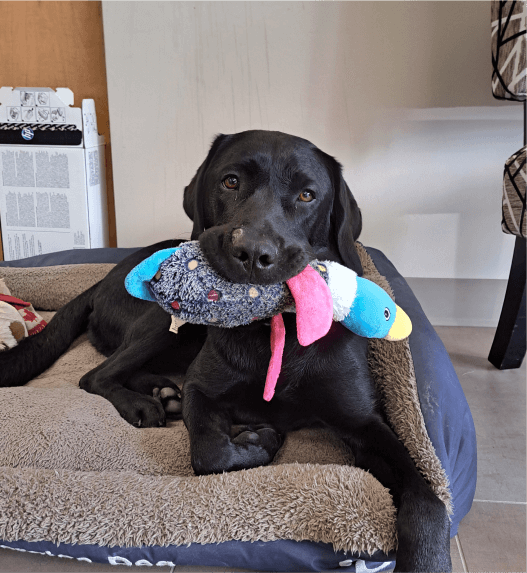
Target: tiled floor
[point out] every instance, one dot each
(492, 537)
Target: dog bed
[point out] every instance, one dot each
(77, 481)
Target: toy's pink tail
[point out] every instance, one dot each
(277, 350)
(314, 314)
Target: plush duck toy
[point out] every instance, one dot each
(184, 284)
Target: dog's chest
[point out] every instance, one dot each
(248, 350)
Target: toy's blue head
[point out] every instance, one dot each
(375, 315)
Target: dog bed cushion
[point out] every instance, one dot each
(77, 480)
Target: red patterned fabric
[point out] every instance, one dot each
(34, 322)
(16, 302)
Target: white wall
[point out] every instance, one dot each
(399, 92)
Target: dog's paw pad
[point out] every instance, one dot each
(170, 399)
(172, 407)
(168, 392)
(247, 437)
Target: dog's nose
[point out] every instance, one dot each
(252, 252)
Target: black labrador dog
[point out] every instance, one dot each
(263, 205)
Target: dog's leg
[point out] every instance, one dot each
(423, 526)
(123, 380)
(216, 445)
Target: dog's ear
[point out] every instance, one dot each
(346, 218)
(194, 200)
(346, 223)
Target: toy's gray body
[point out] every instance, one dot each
(204, 297)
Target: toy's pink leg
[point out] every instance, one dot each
(314, 305)
(277, 350)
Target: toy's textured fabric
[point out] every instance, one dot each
(187, 285)
(73, 473)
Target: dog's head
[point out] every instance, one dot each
(265, 203)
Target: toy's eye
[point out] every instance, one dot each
(231, 182)
(306, 196)
(387, 313)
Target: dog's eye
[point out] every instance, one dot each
(306, 196)
(230, 182)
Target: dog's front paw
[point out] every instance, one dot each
(246, 447)
(142, 412)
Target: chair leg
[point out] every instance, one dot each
(508, 347)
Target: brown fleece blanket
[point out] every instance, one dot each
(73, 471)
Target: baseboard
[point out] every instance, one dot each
(460, 302)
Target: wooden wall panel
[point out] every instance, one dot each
(59, 44)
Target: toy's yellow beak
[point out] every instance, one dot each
(402, 326)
